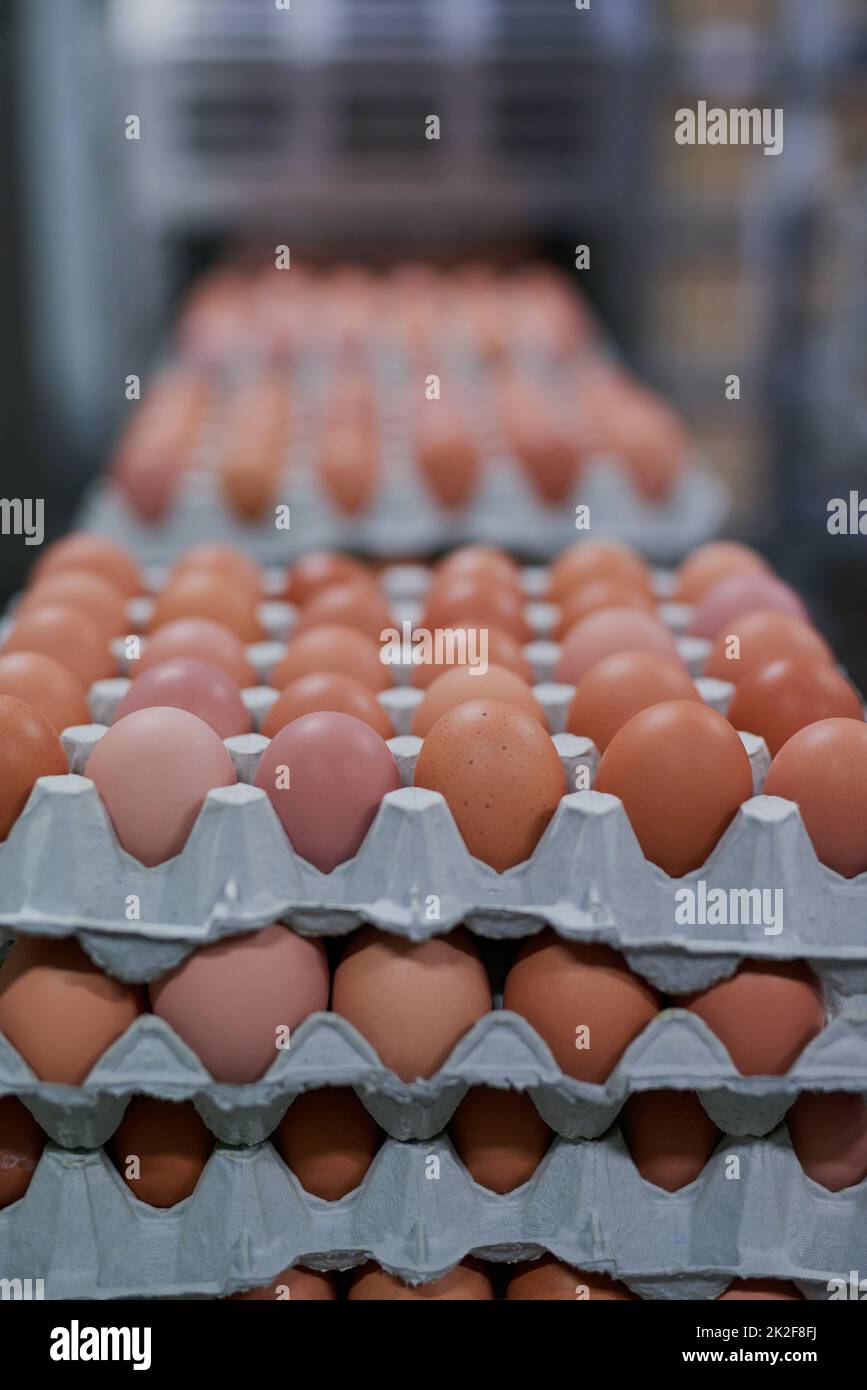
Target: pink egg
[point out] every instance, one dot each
(233, 1002)
(608, 632)
(743, 593)
(199, 638)
(325, 775)
(196, 686)
(153, 770)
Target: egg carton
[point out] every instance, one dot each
(418, 1212)
(675, 1051)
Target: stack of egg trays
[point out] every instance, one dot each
(59, 870)
(404, 515)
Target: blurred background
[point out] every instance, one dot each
(557, 129)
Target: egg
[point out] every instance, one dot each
(413, 1001)
(620, 686)
(21, 1145)
(776, 701)
(358, 605)
(582, 1000)
(342, 651)
(472, 600)
(94, 595)
(160, 1149)
(50, 688)
(195, 686)
(319, 570)
(59, 1011)
(607, 632)
(500, 775)
(588, 562)
(88, 551)
(681, 772)
(222, 559)
(153, 770)
(325, 775)
(467, 645)
(599, 594)
(200, 639)
(552, 1281)
(236, 1002)
(758, 639)
(486, 563)
(249, 473)
(764, 1014)
(328, 1140)
(828, 1131)
(448, 458)
(68, 635)
(759, 1290)
(669, 1135)
(208, 594)
(146, 472)
(295, 1285)
(718, 560)
(500, 1136)
(740, 594)
(349, 467)
(823, 768)
(467, 1282)
(327, 691)
(29, 749)
(466, 683)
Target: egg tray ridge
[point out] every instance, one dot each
(675, 1051)
(81, 1229)
(63, 872)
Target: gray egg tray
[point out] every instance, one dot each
(675, 1051)
(81, 1229)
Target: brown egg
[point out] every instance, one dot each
(618, 687)
(21, 1145)
(29, 749)
(360, 605)
(160, 1149)
(97, 597)
(447, 456)
(669, 1135)
(587, 562)
(757, 639)
(328, 1140)
(88, 551)
(201, 639)
(705, 567)
(500, 1136)
(250, 474)
(582, 1000)
(500, 775)
(467, 1282)
(413, 1001)
(608, 632)
(227, 560)
(759, 1290)
(326, 691)
(319, 570)
(475, 600)
(599, 594)
(59, 1011)
(552, 1281)
(776, 701)
(349, 467)
(68, 635)
(293, 1285)
(502, 650)
(207, 594)
(765, 1014)
(343, 651)
(544, 447)
(464, 683)
(823, 768)
(681, 772)
(486, 563)
(42, 682)
(828, 1131)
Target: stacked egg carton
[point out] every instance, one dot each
(588, 879)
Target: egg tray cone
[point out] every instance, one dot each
(418, 1212)
(675, 1051)
(63, 872)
